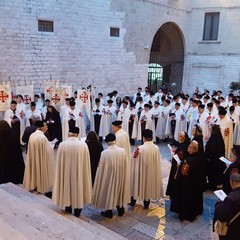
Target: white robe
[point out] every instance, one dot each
(109, 116)
(162, 122)
(203, 123)
(180, 123)
(79, 122)
(33, 114)
(147, 117)
(39, 168)
(146, 173)
(111, 186)
(192, 116)
(73, 183)
(226, 123)
(8, 115)
(124, 116)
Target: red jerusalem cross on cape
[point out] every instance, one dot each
(5, 96)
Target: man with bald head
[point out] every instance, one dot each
(227, 209)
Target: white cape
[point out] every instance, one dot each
(73, 184)
(39, 168)
(146, 174)
(111, 183)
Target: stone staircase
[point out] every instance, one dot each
(32, 216)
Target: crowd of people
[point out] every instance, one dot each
(200, 129)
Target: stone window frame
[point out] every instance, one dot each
(211, 26)
(45, 25)
(114, 32)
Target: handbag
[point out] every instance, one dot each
(221, 228)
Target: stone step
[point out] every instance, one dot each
(15, 214)
(8, 232)
(48, 207)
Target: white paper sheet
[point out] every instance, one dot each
(225, 160)
(177, 159)
(220, 194)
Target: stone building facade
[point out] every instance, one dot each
(81, 51)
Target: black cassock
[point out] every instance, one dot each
(54, 126)
(95, 149)
(15, 124)
(215, 149)
(97, 120)
(181, 149)
(11, 159)
(233, 168)
(189, 195)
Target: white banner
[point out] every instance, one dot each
(68, 90)
(5, 96)
(27, 91)
(47, 84)
(84, 101)
(57, 97)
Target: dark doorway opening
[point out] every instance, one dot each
(167, 51)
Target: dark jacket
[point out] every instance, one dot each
(226, 210)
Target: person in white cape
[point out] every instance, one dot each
(226, 126)
(72, 117)
(39, 169)
(73, 184)
(111, 186)
(146, 174)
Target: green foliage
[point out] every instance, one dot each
(235, 86)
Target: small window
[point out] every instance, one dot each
(211, 24)
(114, 32)
(45, 26)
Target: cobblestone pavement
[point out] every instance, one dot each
(158, 222)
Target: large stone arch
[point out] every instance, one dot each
(167, 50)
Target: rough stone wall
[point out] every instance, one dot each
(80, 50)
(212, 64)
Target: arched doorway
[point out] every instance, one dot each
(167, 52)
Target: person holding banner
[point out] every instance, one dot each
(72, 117)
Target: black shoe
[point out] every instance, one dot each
(107, 214)
(133, 202)
(146, 204)
(68, 209)
(48, 194)
(77, 212)
(121, 211)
